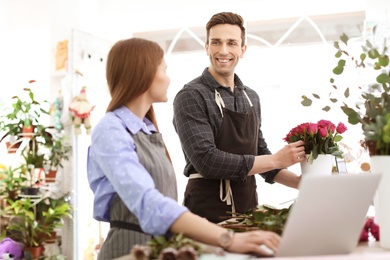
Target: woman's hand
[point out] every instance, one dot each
(253, 242)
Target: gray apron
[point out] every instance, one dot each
(125, 231)
(214, 199)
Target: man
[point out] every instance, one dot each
(218, 121)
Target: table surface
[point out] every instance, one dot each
(365, 250)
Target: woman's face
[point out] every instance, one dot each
(158, 90)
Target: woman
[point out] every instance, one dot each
(129, 169)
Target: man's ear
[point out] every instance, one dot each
(243, 50)
(206, 46)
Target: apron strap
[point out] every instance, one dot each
(221, 104)
(250, 102)
(219, 101)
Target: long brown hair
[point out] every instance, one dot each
(130, 70)
(226, 18)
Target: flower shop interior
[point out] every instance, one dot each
(57, 51)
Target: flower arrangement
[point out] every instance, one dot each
(320, 138)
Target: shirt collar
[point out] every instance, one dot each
(133, 123)
(209, 80)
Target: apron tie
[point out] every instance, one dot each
(229, 195)
(228, 191)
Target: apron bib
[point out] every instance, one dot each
(125, 230)
(213, 199)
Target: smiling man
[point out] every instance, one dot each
(218, 121)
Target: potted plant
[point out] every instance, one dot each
(24, 226)
(12, 131)
(33, 161)
(321, 145)
(58, 152)
(320, 138)
(51, 212)
(12, 180)
(22, 119)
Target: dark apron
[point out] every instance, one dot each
(217, 200)
(125, 231)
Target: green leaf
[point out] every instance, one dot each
(316, 96)
(383, 60)
(333, 100)
(306, 101)
(382, 78)
(338, 54)
(344, 38)
(326, 108)
(338, 70)
(341, 63)
(346, 93)
(363, 56)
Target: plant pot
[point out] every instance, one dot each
(371, 146)
(52, 238)
(28, 131)
(34, 252)
(51, 176)
(12, 148)
(32, 191)
(380, 164)
(321, 166)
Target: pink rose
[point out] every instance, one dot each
(323, 131)
(327, 124)
(312, 129)
(341, 128)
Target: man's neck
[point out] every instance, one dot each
(226, 81)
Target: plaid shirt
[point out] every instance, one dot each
(197, 120)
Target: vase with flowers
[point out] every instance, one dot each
(321, 144)
(371, 110)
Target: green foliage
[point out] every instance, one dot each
(35, 218)
(260, 218)
(12, 181)
(374, 107)
(25, 228)
(176, 242)
(59, 151)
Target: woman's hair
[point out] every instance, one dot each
(226, 18)
(130, 70)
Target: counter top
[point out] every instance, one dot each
(365, 250)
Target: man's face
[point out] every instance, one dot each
(224, 49)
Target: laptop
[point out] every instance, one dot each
(328, 215)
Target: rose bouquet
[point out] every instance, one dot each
(320, 138)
